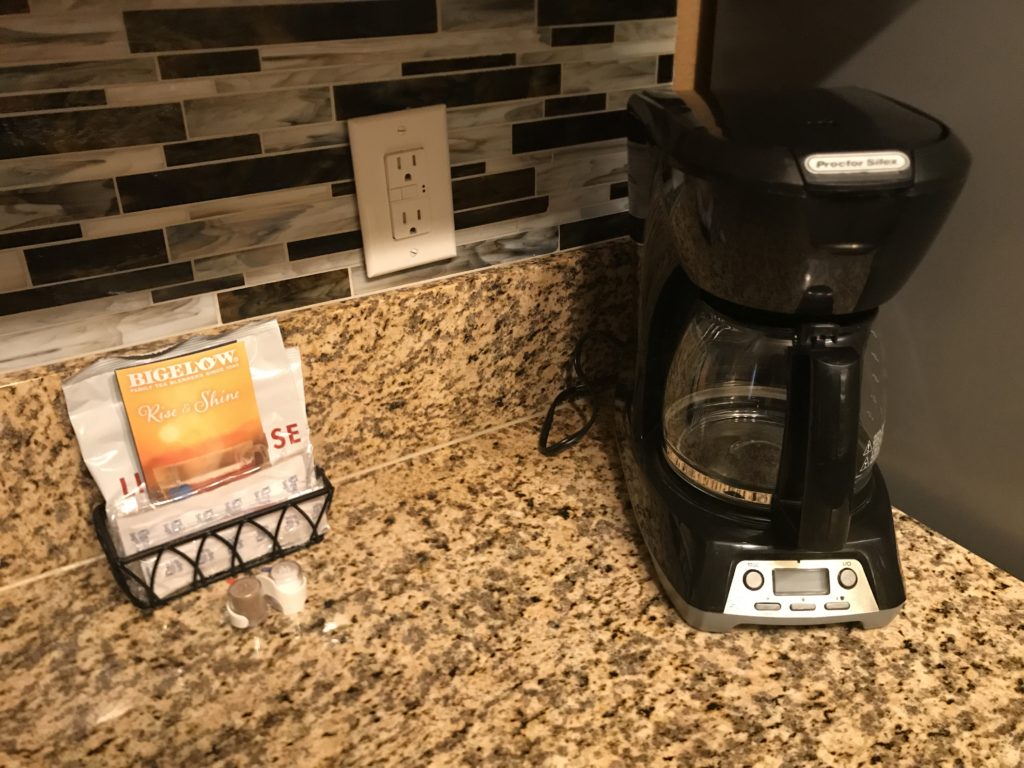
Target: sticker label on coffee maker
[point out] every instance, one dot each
(856, 163)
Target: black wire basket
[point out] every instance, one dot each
(215, 553)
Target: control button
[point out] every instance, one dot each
(847, 578)
(753, 580)
(801, 606)
(767, 606)
(837, 606)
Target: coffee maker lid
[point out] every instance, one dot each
(819, 138)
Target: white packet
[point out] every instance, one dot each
(136, 524)
(137, 527)
(101, 425)
(175, 572)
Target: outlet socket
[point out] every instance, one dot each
(404, 168)
(410, 218)
(403, 188)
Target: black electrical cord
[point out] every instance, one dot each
(580, 385)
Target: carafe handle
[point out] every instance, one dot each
(818, 463)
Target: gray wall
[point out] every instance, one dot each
(954, 446)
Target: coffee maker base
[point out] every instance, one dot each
(711, 621)
(721, 571)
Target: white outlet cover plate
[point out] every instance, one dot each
(376, 136)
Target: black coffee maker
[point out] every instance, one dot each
(771, 226)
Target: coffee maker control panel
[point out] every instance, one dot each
(800, 591)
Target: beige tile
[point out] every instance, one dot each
(65, 339)
(487, 14)
(488, 231)
(305, 136)
(134, 222)
(603, 76)
(571, 199)
(80, 313)
(37, 38)
(236, 232)
(78, 74)
(645, 30)
(568, 53)
(489, 114)
(79, 166)
(240, 262)
(479, 142)
(619, 205)
(440, 45)
(356, 69)
(57, 204)
(159, 93)
(583, 166)
(245, 113)
(13, 272)
(171, 318)
(267, 200)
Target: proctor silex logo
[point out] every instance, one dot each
(849, 163)
(182, 370)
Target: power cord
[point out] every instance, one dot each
(581, 385)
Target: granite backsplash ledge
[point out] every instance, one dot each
(165, 169)
(386, 376)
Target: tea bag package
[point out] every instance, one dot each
(193, 436)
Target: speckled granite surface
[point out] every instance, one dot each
(386, 375)
(483, 605)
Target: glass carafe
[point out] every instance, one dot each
(725, 408)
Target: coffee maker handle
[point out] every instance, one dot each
(819, 451)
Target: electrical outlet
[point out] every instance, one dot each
(403, 188)
(404, 168)
(410, 218)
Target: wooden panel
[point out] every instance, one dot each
(694, 39)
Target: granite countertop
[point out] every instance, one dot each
(483, 605)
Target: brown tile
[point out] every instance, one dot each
(94, 288)
(13, 6)
(87, 258)
(56, 132)
(39, 102)
(283, 295)
(205, 150)
(190, 28)
(202, 286)
(207, 64)
(37, 236)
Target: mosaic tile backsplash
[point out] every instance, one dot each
(169, 165)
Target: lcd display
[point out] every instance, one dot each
(800, 581)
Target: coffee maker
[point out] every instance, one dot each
(771, 226)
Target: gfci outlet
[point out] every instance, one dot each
(403, 188)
